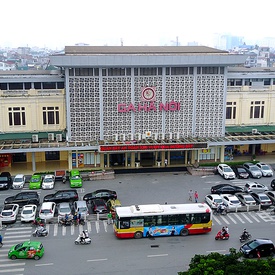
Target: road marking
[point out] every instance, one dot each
(97, 226)
(105, 225)
(14, 233)
(230, 217)
(252, 215)
(89, 227)
(216, 219)
(72, 229)
(235, 214)
(12, 270)
(55, 229)
(18, 240)
(17, 228)
(64, 230)
(224, 219)
(12, 237)
(97, 260)
(157, 255)
(14, 264)
(44, 264)
(244, 215)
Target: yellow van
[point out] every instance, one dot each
(112, 204)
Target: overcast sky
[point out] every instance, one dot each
(56, 23)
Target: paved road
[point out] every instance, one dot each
(107, 254)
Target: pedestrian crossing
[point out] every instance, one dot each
(244, 218)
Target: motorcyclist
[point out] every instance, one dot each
(86, 234)
(82, 236)
(1, 239)
(221, 208)
(245, 234)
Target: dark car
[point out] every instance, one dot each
(264, 247)
(104, 194)
(24, 198)
(262, 199)
(62, 196)
(99, 206)
(273, 184)
(225, 189)
(5, 180)
(240, 172)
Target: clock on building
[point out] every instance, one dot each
(148, 94)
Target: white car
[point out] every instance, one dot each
(48, 182)
(18, 181)
(226, 171)
(28, 213)
(265, 169)
(64, 208)
(47, 211)
(9, 213)
(255, 187)
(245, 199)
(231, 201)
(213, 200)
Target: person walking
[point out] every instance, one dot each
(196, 196)
(110, 216)
(1, 239)
(165, 162)
(190, 193)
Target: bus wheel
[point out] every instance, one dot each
(138, 235)
(184, 232)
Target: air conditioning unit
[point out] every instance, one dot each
(58, 137)
(122, 137)
(51, 137)
(34, 138)
(138, 136)
(254, 131)
(161, 136)
(176, 135)
(155, 136)
(130, 137)
(115, 137)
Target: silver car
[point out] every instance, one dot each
(253, 170)
(255, 187)
(266, 169)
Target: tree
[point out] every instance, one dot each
(229, 264)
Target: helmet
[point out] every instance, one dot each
(86, 231)
(244, 229)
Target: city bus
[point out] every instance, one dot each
(154, 220)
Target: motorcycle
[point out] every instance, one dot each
(64, 179)
(38, 223)
(65, 222)
(220, 236)
(222, 212)
(79, 240)
(40, 231)
(245, 237)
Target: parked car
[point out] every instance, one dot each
(99, 206)
(213, 200)
(271, 195)
(246, 199)
(225, 189)
(81, 207)
(101, 194)
(5, 180)
(9, 213)
(23, 198)
(75, 178)
(266, 169)
(64, 208)
(48, 182)
(255, 187)
(225, 171)
(18, 181)
(47, 211)
(231, 201)
(262, 199)
(272, 184)
(263, 246)
(28, 213)
(253, 170)
(112, 204)
(62, 196)
(35, 181)
(240, 172)
(26, 250)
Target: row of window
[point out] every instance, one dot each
(145, 71)
(17, 115)
(31, 85)
(159, 220)
(250, 82)
(256, 109)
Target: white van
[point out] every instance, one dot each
(47, 211)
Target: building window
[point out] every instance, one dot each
(50, 115)
(257, 109)
(17, 116)
(230, 110)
